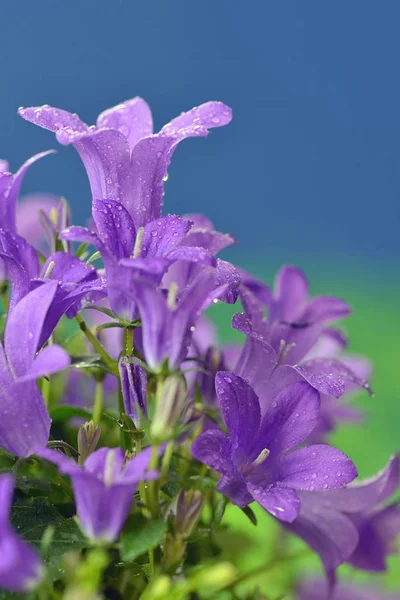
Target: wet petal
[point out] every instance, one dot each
(317, 467)
(284, 504)
(132, 118)
(164, 235)
(214, 450)
(209, 115)
(50, 360)
(240, 411)
(115, 227)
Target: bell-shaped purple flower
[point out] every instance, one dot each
(168, 321)
(103, 488)
(21, 568)
(258, 459)
(124, 160)
(24, 420)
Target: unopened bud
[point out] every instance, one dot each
(88, 436)
(158, 589)
(219, 576)
(170, 402)
(188, 508)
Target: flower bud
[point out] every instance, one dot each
(170, 402)
(188, 508)
(217, 576)
(88, 436)
(134, 390)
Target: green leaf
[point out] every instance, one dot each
(31, 517)
(250, 514)
(88, 361)
(81, 249)
(143, 535)
(62, 412)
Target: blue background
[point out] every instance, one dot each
(309, 166)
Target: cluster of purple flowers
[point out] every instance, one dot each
(257, 416)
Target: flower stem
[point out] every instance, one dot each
(98, 403)
(152, 486)
(128, 340)
(110, 362)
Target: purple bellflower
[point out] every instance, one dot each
(24, 420)
(273, 346)
(314, 589)
(168, 320)
(21, 568)
(149, 250)
(124, 160)
(258, 459)
(103, 488)
(352, 524)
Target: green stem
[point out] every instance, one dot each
(267, 567)
(151, 561)
(128, 340)
(46, 390)
(110, 362)
(152, 486)
(98, 403)
(166, 461)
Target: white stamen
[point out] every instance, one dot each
(137, 250)
(172, 294)
(49, 270)
(261, 457)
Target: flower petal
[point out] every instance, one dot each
(164, 235)
(50, 360)
(317, 467)
(132, 118)
(240, 411)
(290, 294)
(52, 119)
(115, 227)
(24, 327)
(289, 420)
(324, 309)
(209, 114)
(214, 450)
(284, 504)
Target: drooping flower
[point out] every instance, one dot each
(258, 459)
(21, 568)
(24, 420)
(352, 524)
(103, 487)
(314, 589)
(124, 160)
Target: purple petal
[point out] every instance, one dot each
(21, 568)
(136, 469)
(226, 274)
(69, 270)
(24, 327)
(155, 322)
(317, 467)
(105, 154)
(134, 390)
(28, 218)
(256, 364)
(284, 504)
(115, 227)
(6, 497)
(152, 266)
(164, 235)
(240, 411)
(132, 118)
(24, 420)
(329, 376)
(53, 119)
(9, 205)
(98, 464)
(209, 114)
(214, 450)
(214, 241)
(289, 420)
(291, 292)
(324, 309)
(50, 360)
(330, 533)
(193, 254)
(236, 490)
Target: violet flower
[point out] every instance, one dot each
(258, 459)
(352, 524)
(168, 322)
(150, 250)
(24, 420)
(314, 589)
(124, 160)
(134, 389)
(104, 488)
(21, 568)
(274, 345)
